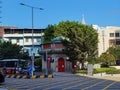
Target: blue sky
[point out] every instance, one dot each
(100, 12)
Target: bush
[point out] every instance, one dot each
(81, 71)
(104, 65)
(101, 70)
(38, 64)
(107, 70)
(116, 71)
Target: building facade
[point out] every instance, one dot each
(23, 37)
(54, 58)
(108, 36)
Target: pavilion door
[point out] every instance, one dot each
(61, 65)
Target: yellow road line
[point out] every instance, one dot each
(64, 84)
(41, 84)
(109, 85)
(78, 85)
(49, 83)
(94, 85)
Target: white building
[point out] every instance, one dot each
(23, 37)
(108, 36)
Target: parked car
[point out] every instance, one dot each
(2, 78)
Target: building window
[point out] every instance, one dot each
(10, 39)
(37, 51)
(112, 42)
(17, 41)
(111, 34)
(32, 39)
(26, 40)
(117, 34)
(118, 42)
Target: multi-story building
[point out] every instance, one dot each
(23, 37)
(108, 36)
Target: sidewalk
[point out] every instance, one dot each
(115, 77)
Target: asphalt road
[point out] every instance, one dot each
(61, 81)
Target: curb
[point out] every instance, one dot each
(27, 76)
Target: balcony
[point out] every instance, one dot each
(21, 35)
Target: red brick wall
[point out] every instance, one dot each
(1, 32)
(49, 46)
(59, 45)
(46, 46)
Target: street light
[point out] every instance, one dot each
(32, 55)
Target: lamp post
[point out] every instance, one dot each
(32, 55)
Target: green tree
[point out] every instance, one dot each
(107, 59)
(49, 34)
(38, 62)
(80, 40)
(9, 50)
(115, 51)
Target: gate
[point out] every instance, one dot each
(61, 65)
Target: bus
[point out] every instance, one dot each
(13, 66)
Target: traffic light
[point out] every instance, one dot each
(52, 60)
(44, 56)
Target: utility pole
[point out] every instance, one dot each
(32, 12)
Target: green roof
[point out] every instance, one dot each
(58, 39)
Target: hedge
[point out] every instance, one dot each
(101, 70)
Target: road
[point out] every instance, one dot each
(61, 81)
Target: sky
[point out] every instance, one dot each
(98, 12)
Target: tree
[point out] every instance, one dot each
(9, 50)
(38, 64)
(80, 40)
(106, 59)
(49, 34)
(115, 51)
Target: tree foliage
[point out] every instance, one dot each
(80, 40)
(107, 59)
(115, 51)
(9, 50)
(49, 34)
(38, 63)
